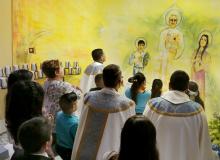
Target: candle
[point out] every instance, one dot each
(33, 66)
(67, 64)
(3, 82)
(1, 72)
(40, 74)
(75, 64)
(15, 67)
(25, 66)
(7, 70)
(70, 71)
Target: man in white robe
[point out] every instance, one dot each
(181, 125)
(102, 118)
(88, 78)
(87, 82)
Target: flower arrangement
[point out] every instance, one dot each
(214, 129)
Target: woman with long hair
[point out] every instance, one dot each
(193, 93)
(156, 89)
(138, 140)
(138, 92)
(200, 62)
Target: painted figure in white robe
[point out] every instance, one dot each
(88, 78)
(140, 58)
(102, 118)
(181, 124)
(171, 43)
(200, 63)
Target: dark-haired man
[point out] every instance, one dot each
(181, 125)
(103, 116)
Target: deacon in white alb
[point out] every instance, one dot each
(102, 119)
(181, 125)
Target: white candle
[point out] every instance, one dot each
(15, 67)
(3, 82)
(40, 74)
(7, 70)
(1, 72)
(25, 66)
(67, 64)
(33, 66)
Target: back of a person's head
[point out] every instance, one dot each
(50, 67)
(98, 79)
(25, 100)
(66, 101)
(193, 93)
(19, 75)
(156, 88)
(97, 54)
(137, 81)
(179, 81)
(138, 139)
(34, 134)
(193, 86)
(111, 75)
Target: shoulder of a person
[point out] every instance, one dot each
(126, 101)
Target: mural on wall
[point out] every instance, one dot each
(172, 32)
(171, 41)
(139, 58)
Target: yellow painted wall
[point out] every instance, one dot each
(5, 43)
(71, 29)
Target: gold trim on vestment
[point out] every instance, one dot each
(175, 114)
(87, 124)
(111, 110)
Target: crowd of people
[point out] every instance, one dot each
(95, 122)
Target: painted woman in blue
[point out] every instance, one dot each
(137, 92)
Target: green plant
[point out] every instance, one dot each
(214, 128)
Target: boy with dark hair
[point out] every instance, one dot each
(35, 137)
(98, 55)
(66, 125)
(139, 59)
(98, 82)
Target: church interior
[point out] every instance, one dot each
(170, 35)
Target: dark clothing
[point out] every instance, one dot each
(95, 89)
(34, 157)
(17, 154)
(65, 153)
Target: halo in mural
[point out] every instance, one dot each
(173, 11)
(207, 33)
(138, 39)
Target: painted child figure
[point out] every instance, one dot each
(139, 59)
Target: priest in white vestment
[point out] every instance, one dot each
(88, 78)
(181, 124)
(102, 118)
